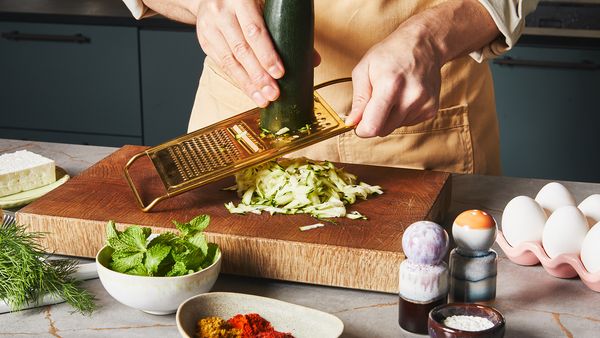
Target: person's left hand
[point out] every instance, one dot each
(397, 83)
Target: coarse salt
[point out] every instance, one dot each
(468, 323)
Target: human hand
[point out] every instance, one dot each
(397, 83)
(233, 34)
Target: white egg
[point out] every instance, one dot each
(553, 196)
(523, 220)
(591, 208)
(564, 231)
(590, 249)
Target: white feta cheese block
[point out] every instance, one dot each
(24, 170)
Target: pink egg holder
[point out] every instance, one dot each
(562, 266)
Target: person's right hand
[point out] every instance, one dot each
(233, 34)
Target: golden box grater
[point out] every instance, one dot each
(219, 150)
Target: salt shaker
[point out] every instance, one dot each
(473, 265)
(423, 274)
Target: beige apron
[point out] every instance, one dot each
(462, 137)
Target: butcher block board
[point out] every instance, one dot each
(361, 254)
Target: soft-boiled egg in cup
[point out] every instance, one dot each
(474, 231)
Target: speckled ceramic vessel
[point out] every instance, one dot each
(300, 321)
(154, 295)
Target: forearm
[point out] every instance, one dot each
(178, 10)
(454, 28)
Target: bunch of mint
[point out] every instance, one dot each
(168, 254)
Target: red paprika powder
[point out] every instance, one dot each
(252, 325)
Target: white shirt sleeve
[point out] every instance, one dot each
(509, 16)
(138, 9)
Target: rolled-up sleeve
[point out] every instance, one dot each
(138, 9)
(509, 16)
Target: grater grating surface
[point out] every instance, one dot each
(221, 149)
(190, 159)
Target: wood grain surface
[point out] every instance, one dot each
(362, 254)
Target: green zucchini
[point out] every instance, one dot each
(291, 25)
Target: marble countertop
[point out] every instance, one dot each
(534, 303)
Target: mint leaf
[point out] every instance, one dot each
(199, 241)
(180, 248)
(154, 256)
(113, 237)
(126, 261)
(122, 254)
(182, 227)
(168, 254)
(179, 269)
(133, 239)
(188, 254)
(193, 260)
(198, 223)
(167, 238)
(165, 266)
(138, 270)
(111, 230)
(211, 256)
(135, 236)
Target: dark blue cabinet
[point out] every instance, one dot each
(70, 83)
(549, 113)
(101, 85)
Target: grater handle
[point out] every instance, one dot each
(145, 208)
(332, 82)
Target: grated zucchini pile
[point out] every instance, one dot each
(293, 186)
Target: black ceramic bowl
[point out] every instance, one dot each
(437, 315)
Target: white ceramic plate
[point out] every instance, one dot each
(25, 197)
(300, 321)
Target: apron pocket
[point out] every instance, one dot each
(442, 143)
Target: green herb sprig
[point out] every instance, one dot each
(168, 254)
(26, 273)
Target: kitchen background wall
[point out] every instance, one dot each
(546, 94)
(84, 71)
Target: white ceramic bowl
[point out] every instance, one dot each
(300, 321)
(154, 295)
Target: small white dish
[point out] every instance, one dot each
(154, 295)
(300, 321)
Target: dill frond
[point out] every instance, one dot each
(26, 273)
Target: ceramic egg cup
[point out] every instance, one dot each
(562, 266)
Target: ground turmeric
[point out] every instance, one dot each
(215, 327)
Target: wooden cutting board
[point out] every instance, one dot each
(362, 254)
